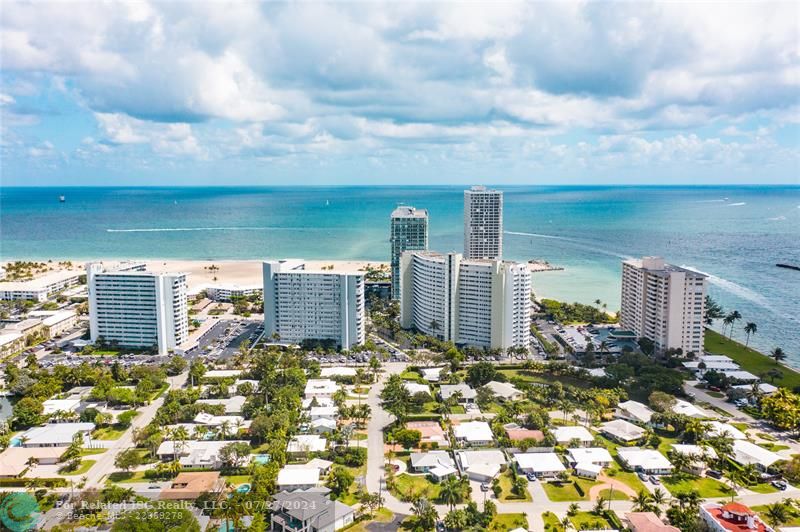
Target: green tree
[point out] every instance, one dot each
(27, 412)
(426, 515)
(128, 459)
(481, 373)
(408, 438)
(750, 328)
(451, 492)
(339, 481)
(777, 355)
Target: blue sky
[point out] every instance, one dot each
(404, 92)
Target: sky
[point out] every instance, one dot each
(230, 93)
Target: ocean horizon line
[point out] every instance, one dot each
(426, 186)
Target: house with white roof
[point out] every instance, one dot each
(234, 423)
(543, 465)
(743, 376)
(505, 391)
(431, 374)
(648, 461)
(481, 465)
(415, 387)
(55, 434)
(436, 463)
(51, 406)
(322, 426)
(745, 452)
(320, 388)
(591, 455)
(233, 405)
(473, 433)
(323, 412)
(317, 401)
(337, 372)
(764, 387)
(204, 453)
(716, 428)
(686, 408)
(634, 411)
(292, 477)
(222, 373)
(573, 433)
(698, 454)
(306, 443)
(467, 393)
(622, 431)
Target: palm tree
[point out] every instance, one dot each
(566, 524)
(732, 318)
(754, 393)
(451, 492)
(777, 354)
(658, 496)
(776, 514)
(642, 502)
(750, 328)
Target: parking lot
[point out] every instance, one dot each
(225, 337)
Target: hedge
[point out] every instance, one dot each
(35, 482)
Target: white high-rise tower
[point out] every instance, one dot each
(409, 232)
(483, 223)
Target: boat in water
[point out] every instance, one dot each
(62, 198)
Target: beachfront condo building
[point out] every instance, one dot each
(409, 232)
(302, 303)
(41, 288)
(132, 307)
(479, 302)
(664, 303)
(483, 223)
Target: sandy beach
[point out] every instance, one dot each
(202, 273)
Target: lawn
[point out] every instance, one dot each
(750, 359)
(628, 477)
(236, 480)
(126, 477)
(505, 522)
(407, 487)
(544, 378)
(567, 492)
(590, 521)
(704, 486)
(82, 469)
(793, 515)
(764, 487)
(506, 495)
(551, 522)
(615, 495)
(112, 432)
(412, 376)
(774, 447)
(382, 515)
(89, 452)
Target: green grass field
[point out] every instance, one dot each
(590, 521)
(90, 452)
(123, 478)
(793, 514)
(551, 522)
(567, 492)
(82, 469)
(408, 487)
(750, 359)
(506, 482)
(112, 432)
(703, 486)
(505, 522)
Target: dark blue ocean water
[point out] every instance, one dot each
(736, 234)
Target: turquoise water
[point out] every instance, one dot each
(737, 234)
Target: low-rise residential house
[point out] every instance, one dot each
(191, 453)
(337, 372)
(322, 426)
(431, 374)
(474, 433)
(688, 409)
(745, 452)
(732, 516)
(222, 373)
(647, 461)
(587, 470)
(11, 342)
(55, 322)
(51, 406)
(517, 434)
(436, 463)
(647, 522)
(622, 431)
(190, 485)
(481, 465)
(700, 455)
(320, 388)
(415, 388)
(716, 428)
(317, 401)
(323, 412)
(743, 376)
(573, 434)
(466, 393)
(233, 423)
(633, 411)
(590, 455)
(298, 477)
(55, 434)
(763, 387)
(306, 443)
(432, 433)
(14, 461)
(233, 405)
(543, 465)
(505, 391)
(309, 511)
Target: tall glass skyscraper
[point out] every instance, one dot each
(409, 232)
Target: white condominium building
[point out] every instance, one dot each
(480, 303)
(136, 308)
(409, 232)
(313, 304)
(483, 223)
(664, 303)
(41, 288)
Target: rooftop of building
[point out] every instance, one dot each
(42, 281)
(328, 267)
(192, 485)
(657, 264)
(407, 211)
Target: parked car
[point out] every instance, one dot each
(780, 484)
(531, 477)
(484, 487)
(654, 480)
(713, 473)
(642, 476)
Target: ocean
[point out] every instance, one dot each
(736, 234)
